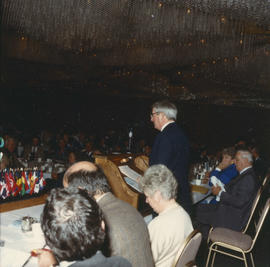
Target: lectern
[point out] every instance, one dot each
(109, 164)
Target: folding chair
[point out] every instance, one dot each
(224, 240)
(253, 208)
(188, 250)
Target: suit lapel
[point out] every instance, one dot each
(236, 179)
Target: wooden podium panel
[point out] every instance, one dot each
(141, 162)
(109, 165)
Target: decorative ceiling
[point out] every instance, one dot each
(210, 51)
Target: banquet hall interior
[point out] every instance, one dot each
(92, 69)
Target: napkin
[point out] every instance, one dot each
(216, 182)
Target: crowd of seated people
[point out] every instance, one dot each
(126, 235)
(235, 198)
(128, 241)
(61, 146)
(127, 231)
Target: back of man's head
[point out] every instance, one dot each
(71, 223)
(94, 182)
(78, 166)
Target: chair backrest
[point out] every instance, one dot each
(189, 249)
(261, 220)
(119, 187)
(266, 180)
(142, 162)
(191, 264)
(254, 205)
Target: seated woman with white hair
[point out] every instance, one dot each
(170, 228)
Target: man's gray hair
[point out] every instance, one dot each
(246, 155)
(159, 178)
(168, 108)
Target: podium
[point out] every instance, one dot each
(109, 164)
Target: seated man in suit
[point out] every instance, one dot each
(34, 150)
(73, 228)
(127, 229)
(236, 199)
(170, 228)
(88, 151)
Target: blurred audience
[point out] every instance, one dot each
(88, 151)
(34, 150)
(61, 151)
(10, 153)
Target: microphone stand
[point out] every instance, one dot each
(130, 134)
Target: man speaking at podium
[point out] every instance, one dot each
(171, 148)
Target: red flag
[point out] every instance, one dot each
(8, 185)
(15, 189)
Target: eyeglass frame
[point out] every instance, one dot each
(152, 114)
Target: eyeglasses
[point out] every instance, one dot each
(152, 114)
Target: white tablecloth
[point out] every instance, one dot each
(197, 196)
(18, 245)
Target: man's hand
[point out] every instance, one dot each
(216, 190)
(45, 258)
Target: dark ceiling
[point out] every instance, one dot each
(209, 51)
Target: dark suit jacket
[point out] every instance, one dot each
(235, 204)
(171, 148)
(100, 260)
(127, 230)
(28, 152)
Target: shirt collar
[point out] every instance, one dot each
(102, 196)
(245, 169)
(166, 124)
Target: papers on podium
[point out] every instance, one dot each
(131, 176)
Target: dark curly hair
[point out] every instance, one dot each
(71, 223)
(95, 182)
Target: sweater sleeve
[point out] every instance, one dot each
(226, 175)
